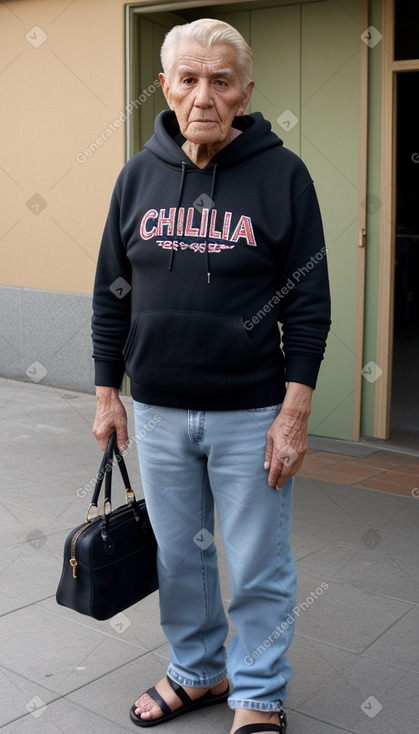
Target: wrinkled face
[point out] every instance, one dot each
(205, 90)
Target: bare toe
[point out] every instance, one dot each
(146, 708)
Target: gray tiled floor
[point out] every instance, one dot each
(356, 649)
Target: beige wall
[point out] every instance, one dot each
(56, 100)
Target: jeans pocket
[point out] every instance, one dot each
(141, 406)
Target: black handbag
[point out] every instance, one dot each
(110, 560)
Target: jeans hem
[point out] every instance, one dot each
(237, 703)
(207, 682)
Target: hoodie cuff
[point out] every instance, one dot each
(302, 368)
(109, 374)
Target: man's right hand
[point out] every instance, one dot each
(110, 416)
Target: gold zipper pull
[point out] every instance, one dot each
(73, 562)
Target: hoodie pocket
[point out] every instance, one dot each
(190, 351)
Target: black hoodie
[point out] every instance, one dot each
(197, 267)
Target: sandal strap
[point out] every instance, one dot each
(253, 728)
(180, 692)
(154, 694)
(282, 721)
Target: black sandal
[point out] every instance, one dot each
(254, 728)
(207, 699)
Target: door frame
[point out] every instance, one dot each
(385, 318)
(362, 224)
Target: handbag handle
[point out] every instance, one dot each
(110, 455)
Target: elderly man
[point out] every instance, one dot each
(213, 237)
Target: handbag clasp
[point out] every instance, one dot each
(92, 512)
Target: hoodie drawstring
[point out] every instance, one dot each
(182, 180)
(214, 173)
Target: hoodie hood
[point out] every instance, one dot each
(257, 136)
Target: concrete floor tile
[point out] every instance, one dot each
(139, 625)
(328, 560)
(54, 489)
(303, 546)
(45, 496)
(320, 615)
(399, 646)
(328, 513)
(57, 653)
(114, 694)
(331, 476)
(312, 505)
(10, 602)
(402, 699)
(362, 697)
(36, 570)
(19, 528)
(342, 707)
(312, 671)
(35, 559)
(332, 685)
(369, 569)
(302, 724)
(16, 694)
(400, 541)
(64, 717)
(333, 662)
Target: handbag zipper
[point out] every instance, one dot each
(73, 561)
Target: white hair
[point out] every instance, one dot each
(208, 32)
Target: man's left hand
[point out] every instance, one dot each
(287, 438)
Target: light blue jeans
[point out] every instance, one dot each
(188, 460)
